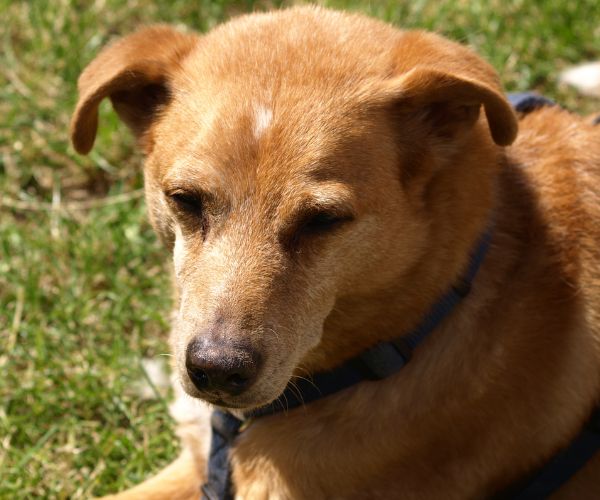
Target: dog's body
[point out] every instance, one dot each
(322, 179)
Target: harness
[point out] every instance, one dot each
(384, 360)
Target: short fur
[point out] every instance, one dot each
(404, 136)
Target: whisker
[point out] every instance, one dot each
(272, 330)
(309, 380)
(296, 391)
(287, 404)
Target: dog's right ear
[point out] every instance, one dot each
(134, 73)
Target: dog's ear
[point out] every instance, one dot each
(134, 73)
(451, 102)
(446, 84)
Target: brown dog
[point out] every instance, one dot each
(322, 179)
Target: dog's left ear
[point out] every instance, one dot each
(451, 102)
(134, 72)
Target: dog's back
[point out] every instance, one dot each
(559, 155)
(550, 228)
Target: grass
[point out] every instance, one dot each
(84, 287)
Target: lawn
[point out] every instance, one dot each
(84, 285)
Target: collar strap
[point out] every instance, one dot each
(526, 102)
(378, 362)
(561, 466)
(225, 427)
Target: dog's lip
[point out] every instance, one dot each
(231, 405)
(234, 403)
(221, 402)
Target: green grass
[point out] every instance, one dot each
(84, 291)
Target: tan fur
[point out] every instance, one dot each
(181, 480)
(272, 117)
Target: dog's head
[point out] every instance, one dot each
(300, 165)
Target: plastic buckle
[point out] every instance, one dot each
(385, 359)
(462, 288)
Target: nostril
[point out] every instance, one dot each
(237, 380)
(199, 377)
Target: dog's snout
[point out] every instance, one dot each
(219, 366)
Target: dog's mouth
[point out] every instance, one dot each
(258, 395)
(237, 403)
(227, 405)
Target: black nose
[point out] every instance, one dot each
(220, 366)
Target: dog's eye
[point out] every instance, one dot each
(322, 222)
(188, 202)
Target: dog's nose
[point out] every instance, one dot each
(215, 365)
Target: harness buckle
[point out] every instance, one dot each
(386, 358)
(462, 288)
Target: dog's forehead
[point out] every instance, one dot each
(255, 138)
(254, 153)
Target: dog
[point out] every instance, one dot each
(321, 179)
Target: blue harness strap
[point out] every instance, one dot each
(376, 363)
(225, 427)
(525, 102)
(563, 466)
